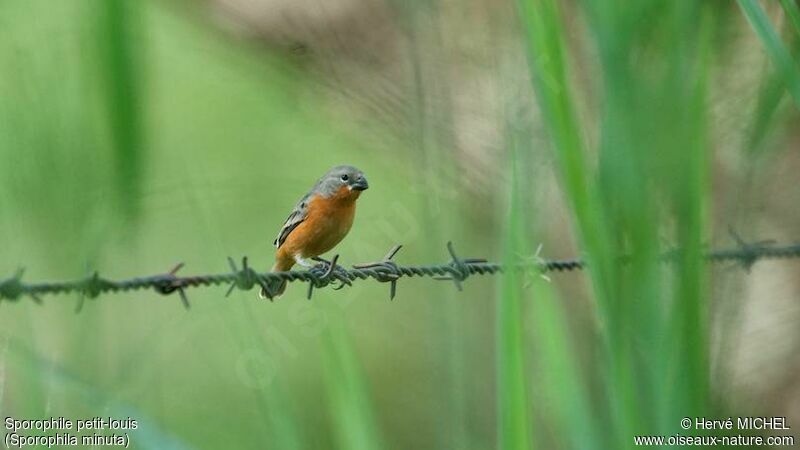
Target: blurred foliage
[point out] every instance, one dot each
(134, 135)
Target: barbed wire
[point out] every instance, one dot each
(328, 273)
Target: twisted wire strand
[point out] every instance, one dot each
(329, 273)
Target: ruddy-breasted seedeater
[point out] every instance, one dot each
(319, 221)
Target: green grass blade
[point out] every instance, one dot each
(561, 381)
(547, 60)
(765, 115)
(775, 48)
(690, 298)
(546, 56)
(350, 407)
(121, 69)
(513, 413)
(793, 12)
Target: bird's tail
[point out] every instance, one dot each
(276, 287)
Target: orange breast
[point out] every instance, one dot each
(327, 223)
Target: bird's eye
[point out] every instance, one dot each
(345, 177)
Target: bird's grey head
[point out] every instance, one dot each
(342, 176)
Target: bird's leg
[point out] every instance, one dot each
(322, 263)
(303, 262)
(321, 260)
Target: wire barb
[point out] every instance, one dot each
(12, 288)
(171, 283)
(385, 270)
(750, 251)
(458, 269)
(246, 278)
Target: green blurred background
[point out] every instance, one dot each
(138, 134)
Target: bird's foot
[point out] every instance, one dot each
(329, 270)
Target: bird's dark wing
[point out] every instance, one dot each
(297, 217)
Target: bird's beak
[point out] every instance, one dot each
(360, 184)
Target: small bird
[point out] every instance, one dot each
(319, 221)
